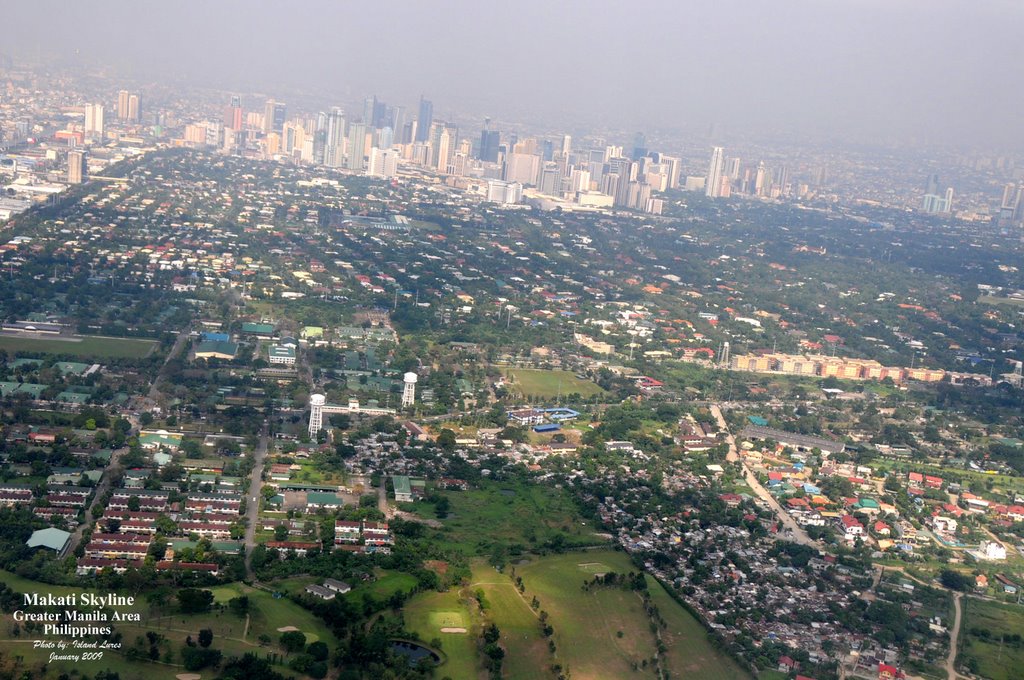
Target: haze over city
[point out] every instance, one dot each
(913, 72)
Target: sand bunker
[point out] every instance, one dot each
(286, 629)
(453, 630)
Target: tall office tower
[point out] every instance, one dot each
(424, 120)
(383, 163)
(274, 114)
(566, 144)
(381, 115)
(122, 104)
(397, 122)
(356, 146)
(385, 137)
(674, 168)
(949, 199)
(761, 179)
(334, 144)
(77, 170)
(316, 413)
(134, 109)
(408, 389)
(233, 114)
(522, 168)
(550, 179)
(408, 132)
(639, 146)
(732, 168)
(490, 140)
(782, 181)
(1011, 208)
(94, 121)
(369, 104)
(447, 139)
(713, 182)
(932, 185)
(547, 150)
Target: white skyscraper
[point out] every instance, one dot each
(94, 121)
(383, 163)
(713, 183)
(408, 389)
(316, 413)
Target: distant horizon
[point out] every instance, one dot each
(933, 74)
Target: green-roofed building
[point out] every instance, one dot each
(867, 504)
(403, 488)
(319, 499)
(71, 367)
(217, 350)
(72, 397)
(150, 439)
(258, 329)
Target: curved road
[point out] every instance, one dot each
(795, 532)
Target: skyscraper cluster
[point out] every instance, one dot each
(727, 176)
(129, 107)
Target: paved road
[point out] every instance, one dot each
(252, 509)
(154, 390)
(954, 636)
(796, 532)
(108, 475)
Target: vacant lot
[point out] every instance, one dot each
(531, 382)
(985, 623)
(80, 346)
(605, 633)
(510, 514)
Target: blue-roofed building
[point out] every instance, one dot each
(758, 420)
(547, 427)
(810, 488)
(216, 337)
(561, 413)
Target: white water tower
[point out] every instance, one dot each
(316, 413)
(409, 389)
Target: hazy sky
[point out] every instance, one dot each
(930, 71)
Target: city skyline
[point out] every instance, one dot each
(853, 71)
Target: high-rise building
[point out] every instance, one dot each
(490, 140)
(134, 109)
(356, 146)
(423, 122)
(334, 144)
(383, 163)
(77, 169)
(233, 114)
(639, 146)
(94, 121)
(122, 104)
(274, 114)
(713, 182)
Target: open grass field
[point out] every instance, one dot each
(427, 613)
(995, 661)
(587, 624)
(993, 300)
(689, 652)
(525, 514)
(535, 382)
(81, 346)
(387, 584)
(526, 650)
